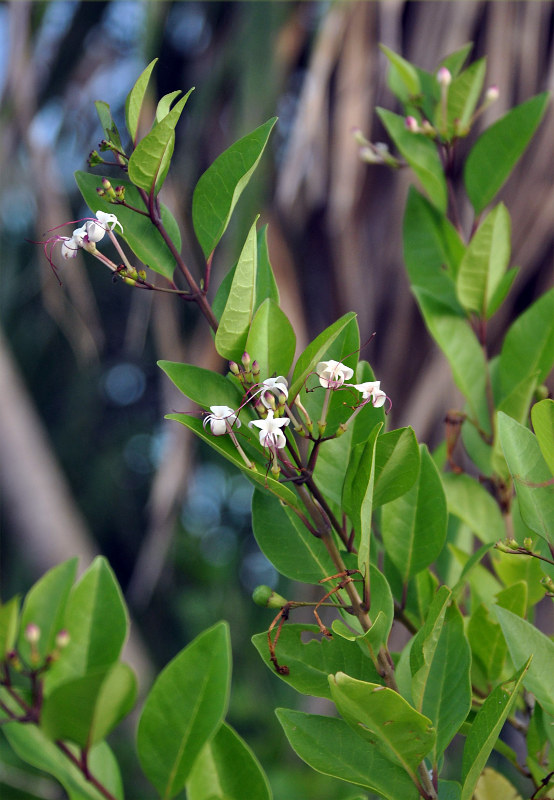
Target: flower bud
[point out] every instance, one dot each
(412, 124)
(106, 184)
(265, 596)
(32, 633)
(268, 400)
(246, 363)
(428, 129)
(492, 94)
(62, 639)
(95, 159)
(255, 370)
(234, 368)
(444, 77)
(528, 543)
(142, 274)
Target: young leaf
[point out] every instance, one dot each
(135, 99)
(497, 150)
(94, 644)
(440, 661)
(230, 339)
(220, 187)
(202, 386)
(85, 710)
(287, 543)
(45, 606)
(315, 352)
(397, 463)
(403, 71)
(421, 154)
(414, 525)
(271, 340)
(227, 768)
(310, 663)
(455, 61)
(330, 746)
(185, 707)
(9, 619)
(469, 501)
(108, 125)
(485, 261)
(523, 639)
(149, 162)
(384, 719)
(529, 470)
(164, 104)
(542, 417)
(138, 231)
(463, 94)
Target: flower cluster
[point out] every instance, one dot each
(91, 232)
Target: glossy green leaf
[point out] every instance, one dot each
(485, 262)
(459, 344)
(330, 467)
(486, 728)
(45, 606)
(469, 501)
(227, 768)
(164, 104)
(414, 525)
(315, 352)
(384, 719)
(463, 95)
(440, 661)
(404, 71)
(421, 154)
(531, 476)
(138, 231)
(397, 462)
(220, 187)
(501, 291)
(542, 417)
(287, 543)
(32, 746)
(9, 622)
(231, 335)
(310, 663)
(528, 349)
(523, 639)
(271, 340)
(499, 147)
(183, 710)
(488, 648)
(149, 162)
(330, 746)
(225, 447)
(135, 99)
(94, 644)
(85, 710)
(202, 386)
(108, 125)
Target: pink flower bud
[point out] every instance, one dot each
(412, 124)
(444, 77)
(492, 94)
(32, 633)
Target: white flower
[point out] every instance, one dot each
(332, 374)
(274, 385)
(220, 418)
(96, 230)
(70, 247)
(79, 235)
(271, 434)
(371, 390)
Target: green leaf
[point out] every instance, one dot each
(287, 543)
(164, 104)
(469, 501)
(9, 619)
(497, 150)
(97, 621)
(32, 746)
(330, 746)
(220, 187)
(440, 661)
(310, 663)
(529, 470)
(315, 352)
(231, 335)
(488, 648)
(271, 340)
(202, 386)
(185, 707)
(397, 464)
(501, 291)
(528, 349)
(149, 162)
(86, 710)
(135, 99)
(463, 94)
(138, 231)
(225, 447)
(542, 417)
(108, 125)
(413, 526)
(485, 262)
(459, 344)
(45, 606)
(455, 61)
(523, 639)
(384, 719)
(404, 71)
(421, 154)
(227, 768)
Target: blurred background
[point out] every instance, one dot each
(87, 463)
